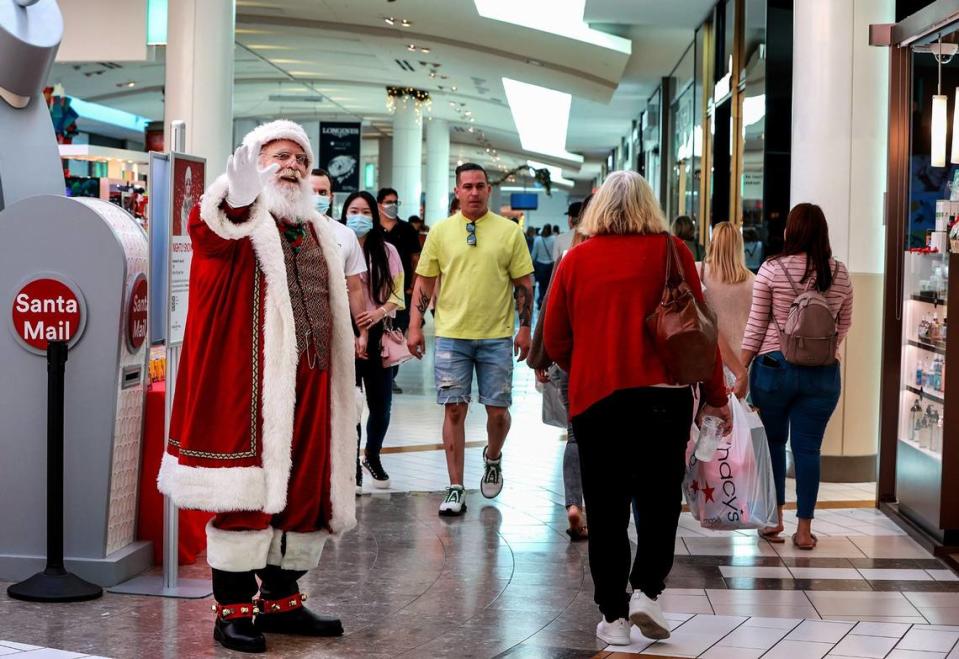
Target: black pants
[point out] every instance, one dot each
(377, 384)
(241, 587)
(632, 444)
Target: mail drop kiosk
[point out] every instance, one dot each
(76, 269)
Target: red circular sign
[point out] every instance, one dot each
(45, 310)
(137, 314)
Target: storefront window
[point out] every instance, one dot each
(682, 122)
(753, 138)
(651, 146)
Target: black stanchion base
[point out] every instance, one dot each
(54, 586)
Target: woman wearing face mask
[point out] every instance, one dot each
(383, 281)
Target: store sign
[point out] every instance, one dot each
(47, 309)
(340, 154)
(137, 314)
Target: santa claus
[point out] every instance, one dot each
(263, 431)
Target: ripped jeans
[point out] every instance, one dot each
(453, 366)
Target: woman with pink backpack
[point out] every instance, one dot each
(801, 312)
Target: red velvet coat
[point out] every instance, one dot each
(232, 423)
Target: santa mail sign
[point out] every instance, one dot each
(47, 309)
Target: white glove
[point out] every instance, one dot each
(244, 176)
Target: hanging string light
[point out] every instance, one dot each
(420, 98)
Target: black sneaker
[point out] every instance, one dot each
(381, 480)
(359, 478)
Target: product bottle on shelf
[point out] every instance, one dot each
(923, 331)
(915, 420)
(920, 370)
(937, 439)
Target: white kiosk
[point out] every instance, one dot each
(93, 255)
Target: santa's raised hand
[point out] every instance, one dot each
(244, 176)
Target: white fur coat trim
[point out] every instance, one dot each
(237, 551)
(303, 550)
(279, 376)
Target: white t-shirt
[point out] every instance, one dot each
(353, 261)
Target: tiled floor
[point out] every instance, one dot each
(505, 580)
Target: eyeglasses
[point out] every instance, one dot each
(471, 234)
(283, 156)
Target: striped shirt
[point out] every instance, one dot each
(772, 289)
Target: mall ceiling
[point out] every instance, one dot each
(332, 59)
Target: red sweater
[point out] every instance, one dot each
(595, 326)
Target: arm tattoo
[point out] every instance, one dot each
(524, 304)
(423, 303)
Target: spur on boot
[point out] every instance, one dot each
(288, 616)
(234, 628)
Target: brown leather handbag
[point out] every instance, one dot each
(683, 329)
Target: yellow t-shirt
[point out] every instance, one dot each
(476, 287)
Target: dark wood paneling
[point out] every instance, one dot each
(897, 205)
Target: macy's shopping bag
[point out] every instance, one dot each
(735, 490)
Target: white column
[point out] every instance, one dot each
(839, 129)
(199, 77)
(407, 155)
(437, 169)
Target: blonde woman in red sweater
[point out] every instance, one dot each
(630, 417)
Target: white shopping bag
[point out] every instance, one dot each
(735, 490)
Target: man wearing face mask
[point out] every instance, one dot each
(263, 430)
(354, 265)
(406, 240)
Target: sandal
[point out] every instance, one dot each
(578, 534)
(807, 547)
(774, 537)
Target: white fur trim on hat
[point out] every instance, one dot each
(281, 129)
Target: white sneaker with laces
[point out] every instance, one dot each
(614, 633)
(455, 502)
(647, 614)
(492, 483)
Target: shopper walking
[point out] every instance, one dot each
(795, 402)
(563, 241)
(728, 287)
(484, 264)
(630, 418)
(685, 229)
(383, 284)
(547, 371)
(406, 240)
(542, 255)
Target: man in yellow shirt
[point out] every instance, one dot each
(485, 265)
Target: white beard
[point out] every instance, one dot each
(294, 204)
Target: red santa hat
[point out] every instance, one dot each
(281, 129)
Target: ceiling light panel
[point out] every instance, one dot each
(541, 116)
(563, 18)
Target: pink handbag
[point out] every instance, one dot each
(393, 348)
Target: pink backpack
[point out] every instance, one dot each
(810, 336)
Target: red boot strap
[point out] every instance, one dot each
(283, 605)
(234, 611)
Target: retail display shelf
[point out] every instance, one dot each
(928, 299)
(926, 395)
(929, 347)
(925, 451)
(102, 153)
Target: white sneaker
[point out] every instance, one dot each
(454, 504)
(614, 633)
(492, 483)
(647, 614)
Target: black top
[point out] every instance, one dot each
(406, 240)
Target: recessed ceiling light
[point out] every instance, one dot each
(453, 88)
(411, 47)
(127, 84)
(406, 23)
(471, 129)
(389, 20)
(468, 113)
(452, 104)
(424, 50)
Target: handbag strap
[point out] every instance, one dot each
(674, 267)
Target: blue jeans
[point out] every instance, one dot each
(795, 403)
(453, 367)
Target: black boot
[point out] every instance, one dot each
(281, 607)
(234, 629)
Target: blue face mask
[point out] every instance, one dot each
(361, 224)
(321, 203)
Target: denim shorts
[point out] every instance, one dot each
(453, 370)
